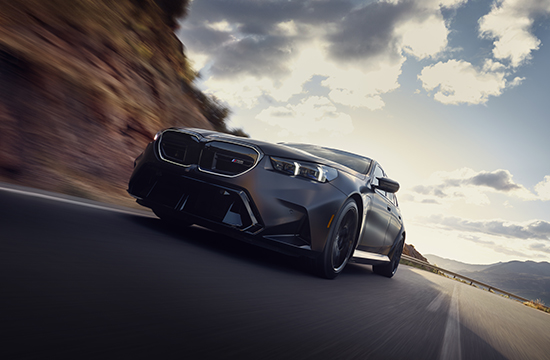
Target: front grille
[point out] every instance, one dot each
(216, 157)
(181, 148)
(227, 159)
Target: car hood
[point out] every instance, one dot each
(270, 149)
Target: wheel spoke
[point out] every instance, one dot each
(343, 241)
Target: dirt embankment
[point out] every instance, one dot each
(84, 86)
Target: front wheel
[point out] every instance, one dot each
(340, 242)
(389, 270)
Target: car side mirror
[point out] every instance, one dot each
(387, 185)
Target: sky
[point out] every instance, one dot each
(450, 96)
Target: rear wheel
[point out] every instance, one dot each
(389, 270)
(340, 242)
(169, 217)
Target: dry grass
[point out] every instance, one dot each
(537, 304)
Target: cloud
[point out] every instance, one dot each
(499, 248)
(534, 229)
(471, 186)
(477, 239)
(510, 23)
(500, 180)
(543, 188)
(540, 247)
(430, 201)
(368, 32)
(258, 38)
(255, 56)
(425, 37)
(312, 114)
(247, 50)
(457, 82)
(360, 88)
(382, 31)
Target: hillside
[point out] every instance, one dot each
(454, 265)
(528, 279)
(85, 85)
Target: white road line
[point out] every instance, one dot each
(436, 303)
(74, 202)
(451, 339)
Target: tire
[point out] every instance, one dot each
(168, 217)
(389, 270)
(339, 246)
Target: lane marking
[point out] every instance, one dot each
(451, 339)
(75, 202)
(436, 303)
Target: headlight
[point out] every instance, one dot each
(316, 172)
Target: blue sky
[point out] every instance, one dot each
(451, 96)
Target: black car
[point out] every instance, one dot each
(304, 200)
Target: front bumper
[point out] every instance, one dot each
(261, 206)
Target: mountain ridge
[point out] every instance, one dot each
(528, 279)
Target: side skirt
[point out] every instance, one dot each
(369, 258)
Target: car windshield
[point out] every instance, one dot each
(355, 162)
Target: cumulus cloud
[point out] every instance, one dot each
(368, 32)
(534, 229)
(457, 81)
(312, 114)
(359, 88)
(252, 49)
(254, 32)
(543, 188)
(510, 24)
(423, 37)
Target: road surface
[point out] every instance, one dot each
(84, 281)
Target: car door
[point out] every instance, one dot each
(394, 226)
(377, 219)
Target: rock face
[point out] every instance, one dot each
(84, 86)
(411, 251)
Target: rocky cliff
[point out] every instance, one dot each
(412, 252)
(84, 85)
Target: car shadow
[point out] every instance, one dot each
(226, 245)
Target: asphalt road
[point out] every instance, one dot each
(86, 282)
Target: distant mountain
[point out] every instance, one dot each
(527, 279)
(454, 265)
(521, 267)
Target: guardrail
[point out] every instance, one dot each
(467, 279)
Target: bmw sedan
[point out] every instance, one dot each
(327, 205)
